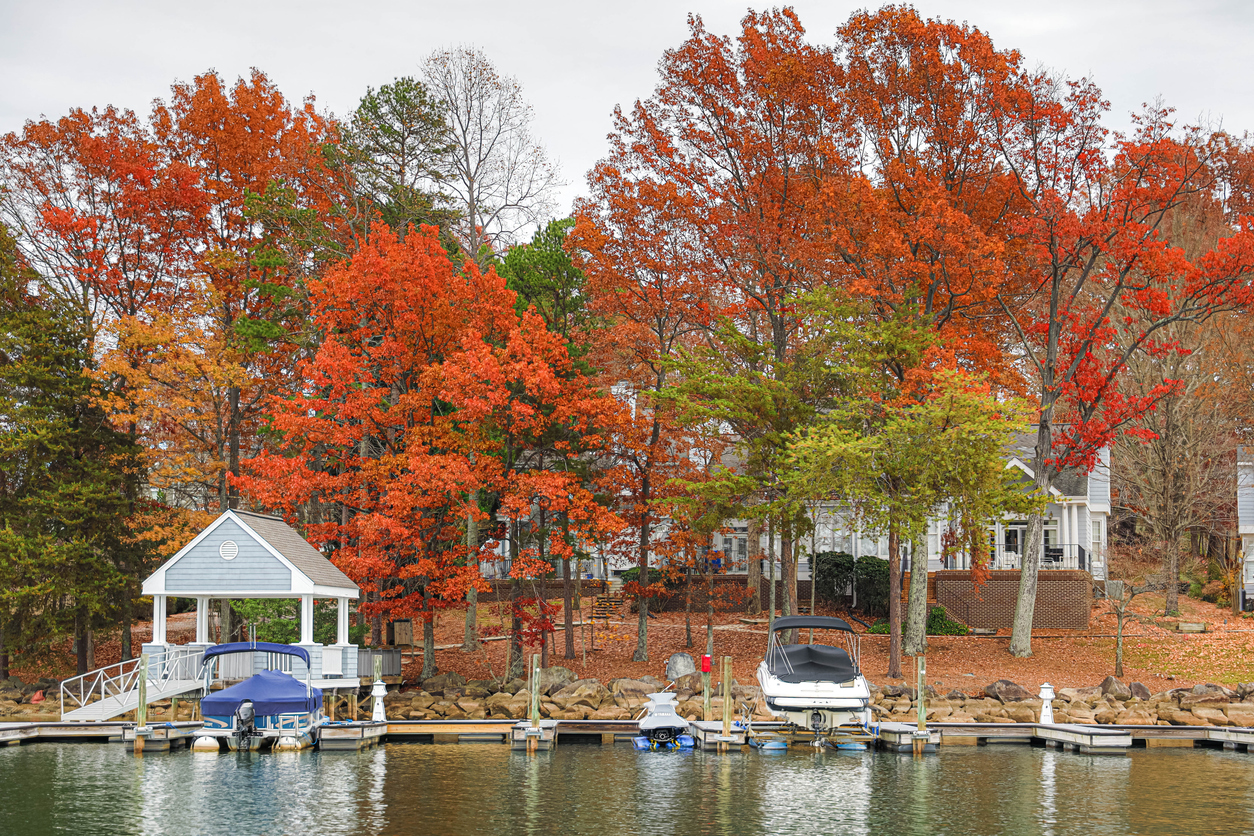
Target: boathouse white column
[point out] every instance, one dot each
(306, 619)
(1063, 537)
(158, 619)
(341, 621)
(202, 620)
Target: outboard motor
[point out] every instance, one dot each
(245, 721)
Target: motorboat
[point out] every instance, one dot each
(817, 687)
(270, 709)
(661, 727)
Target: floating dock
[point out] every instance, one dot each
(893, 737)
(350, 736)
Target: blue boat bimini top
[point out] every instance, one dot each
(268, 647)
(271, 692)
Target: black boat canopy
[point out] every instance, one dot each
(818, 622)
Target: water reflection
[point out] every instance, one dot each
(55, 788)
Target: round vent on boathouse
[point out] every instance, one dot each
(229, 549)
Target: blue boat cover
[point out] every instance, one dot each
(244, 647)
(271, 692)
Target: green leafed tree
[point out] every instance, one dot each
(917, 440)
(65, 475)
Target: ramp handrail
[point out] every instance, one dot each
(121, 678)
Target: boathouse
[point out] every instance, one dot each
(246, 555)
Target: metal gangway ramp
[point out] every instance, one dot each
(111, 691)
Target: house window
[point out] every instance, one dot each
(1097, 537)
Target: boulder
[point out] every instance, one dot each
(1208, 699)
(654, 682)
(477, 692)
(956, 696)
(1135, 717)
(1140, 691)
(489, 686)
(689, 682)
(1178, 717)
(1106, 715)
(680, 664)
(554, 678)
(509, 686)
(421, 701)
(1244, 690)
(456, 713)
(473, 708)
(437, 684)
(899, 691)
(960, 717)
(630, 687)
(1213, 716)
(610, 712)
(498, 701)
(1021, 712)
(939, 713)
(454, 693)
(1112, 687)
(1241, 714)
(1007, 691)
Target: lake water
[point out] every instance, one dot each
(485, 788)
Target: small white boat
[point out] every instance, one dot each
(815, 686)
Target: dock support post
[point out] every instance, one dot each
(706, 664)
(533, 740)
(920, 681)
(723, 745)
(141, 710)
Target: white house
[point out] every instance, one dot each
(1245, 515)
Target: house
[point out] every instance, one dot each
(1245, 518)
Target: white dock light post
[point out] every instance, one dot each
(1047, 704)
(379, 691)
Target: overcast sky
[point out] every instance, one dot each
(575, 60)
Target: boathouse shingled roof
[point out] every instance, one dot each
(287, 541)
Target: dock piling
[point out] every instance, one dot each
(141, 710)
(727, 700)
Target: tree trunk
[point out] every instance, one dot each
(754, 569)
(709, 609)
(233, 433)
(642, 560)
(1171, 596)
(470, 639)
(688, 607)
(894, 602)
(4, 653)
(514, 663)
(127, 650)
(1025, 606)
(1119, 642)
(376, 621)
(788, 568)
(568, 620)
(91, 649)
(770, 589)
(80, 641)
(916, 618)
(428, 636)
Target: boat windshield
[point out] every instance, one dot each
(815, 661)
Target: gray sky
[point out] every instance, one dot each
(575, 60)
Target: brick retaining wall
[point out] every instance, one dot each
(1064, 598)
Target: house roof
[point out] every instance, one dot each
(1070, 482)
(286, 541)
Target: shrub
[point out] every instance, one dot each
(938, 624)
(670, 580)
(833, 572)
(872, 582)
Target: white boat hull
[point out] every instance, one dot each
(820, 706)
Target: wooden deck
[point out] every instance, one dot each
(1084, 739)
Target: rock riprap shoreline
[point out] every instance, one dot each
(564, 696)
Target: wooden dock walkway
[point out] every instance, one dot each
(1084, 739)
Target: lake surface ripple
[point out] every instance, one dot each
(485, 788)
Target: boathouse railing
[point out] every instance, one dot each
(391, 661)
(178, 664)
